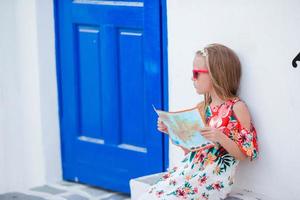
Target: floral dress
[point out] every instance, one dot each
(209, 173)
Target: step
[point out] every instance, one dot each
(139, 186)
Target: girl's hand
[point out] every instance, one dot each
(161, 126)
(186, 151)
(212, 134)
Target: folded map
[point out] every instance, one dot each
(184, 128)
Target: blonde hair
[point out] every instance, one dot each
(224, 70)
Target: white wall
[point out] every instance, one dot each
(265, 34)
(48, 89)
(29, 137)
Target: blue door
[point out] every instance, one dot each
(109, 75)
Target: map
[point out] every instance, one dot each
(184, 128)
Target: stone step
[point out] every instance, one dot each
(139, 186)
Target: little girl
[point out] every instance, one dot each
(209, 173)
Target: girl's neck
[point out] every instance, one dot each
(215, 99)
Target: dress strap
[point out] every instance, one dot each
(233, 101)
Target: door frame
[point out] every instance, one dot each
(164, 63)
(164, 57)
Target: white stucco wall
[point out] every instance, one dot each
(48, 89)
(29, 137)
(265, 35)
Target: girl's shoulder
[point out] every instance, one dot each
(201, 108)
(201, 104)
(242, 113)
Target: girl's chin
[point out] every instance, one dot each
(199, 92)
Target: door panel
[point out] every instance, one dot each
(109, 76)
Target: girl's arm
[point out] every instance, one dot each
(242, 113)
(186, 151)
(231, 147)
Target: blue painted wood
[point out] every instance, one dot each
(110, 72)
(165, 103)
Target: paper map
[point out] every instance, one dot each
(183, 128)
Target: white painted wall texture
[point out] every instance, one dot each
(265, 35)
(29, 136)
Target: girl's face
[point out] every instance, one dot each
(202, 81)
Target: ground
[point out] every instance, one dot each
(64, 191)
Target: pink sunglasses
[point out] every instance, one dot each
(196, 72)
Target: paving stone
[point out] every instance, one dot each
(95, 192)
(48, 189)
(75, 197)
(116, 197)
(19, 196)
(68, 193)
(67, 183)
(232, 198)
